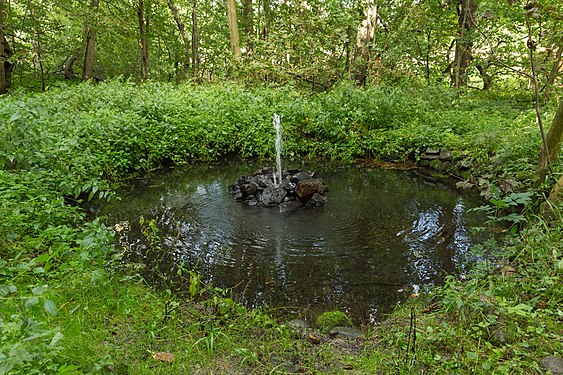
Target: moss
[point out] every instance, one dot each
(330, 319)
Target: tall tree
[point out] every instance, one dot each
(550, 151)
(3, 84)
(88, 71)
(195, 42)
(142, 14)
(364, 39)
(38, 32)
(266, 8)
(467, 10)
(248, 23)
(233, 28)
(185, 41)
(556, 67)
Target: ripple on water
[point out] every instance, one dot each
(380, 234)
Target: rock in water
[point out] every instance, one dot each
(272, 196)
(305, 189)
(297, 188)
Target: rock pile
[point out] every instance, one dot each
(297, 188)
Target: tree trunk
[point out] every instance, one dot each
(550, 208)
(233, 28)
(467, 10)
(557, 65)
(195, 41)
(143, 39)
(248, 23)
(37, 49)
(68, 67)
(185, 40)
(88, 71)
(267, 18)
(364, 38)
(3, 85)
(8, 65)
(487, 79)
(553, 141)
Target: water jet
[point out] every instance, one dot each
(275, 187)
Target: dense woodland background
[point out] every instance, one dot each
(313, 43)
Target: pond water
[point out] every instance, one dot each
(382, 235)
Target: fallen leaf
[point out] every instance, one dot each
(508, 271)
(163, 357)
(487, 299)
(313, 339)
(431, 308)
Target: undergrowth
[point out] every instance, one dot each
(69, 306)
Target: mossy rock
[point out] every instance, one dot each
(330, 319)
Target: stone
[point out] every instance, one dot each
(290, 206)
(300, 176)
(264, 181)
(316, 200)
(464, 185)
(346, 332)
(307, 188)
(298, 187)
(445, 155)
(499, 335)
(552, 363)
(272, 196)
(297, 325)
(264, 171)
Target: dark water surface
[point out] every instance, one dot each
(382, 235)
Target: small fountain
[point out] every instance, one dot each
(277, 126)
(275, 187)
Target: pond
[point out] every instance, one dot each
(381, 236)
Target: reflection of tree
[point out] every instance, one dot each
(438, 240)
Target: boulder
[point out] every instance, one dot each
(553, 364)
(272, 196)
(305, 189)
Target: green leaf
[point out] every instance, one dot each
(472, 356)
(56, 339)
(50, 307)
(7, 289)
(16, 116)
(30, 302)
(39, 290)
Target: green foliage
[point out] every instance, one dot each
(27, 343)
(510, 209)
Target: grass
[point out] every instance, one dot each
(69, 305)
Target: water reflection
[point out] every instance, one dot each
(380, 234)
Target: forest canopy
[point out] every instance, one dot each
(314, 43)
